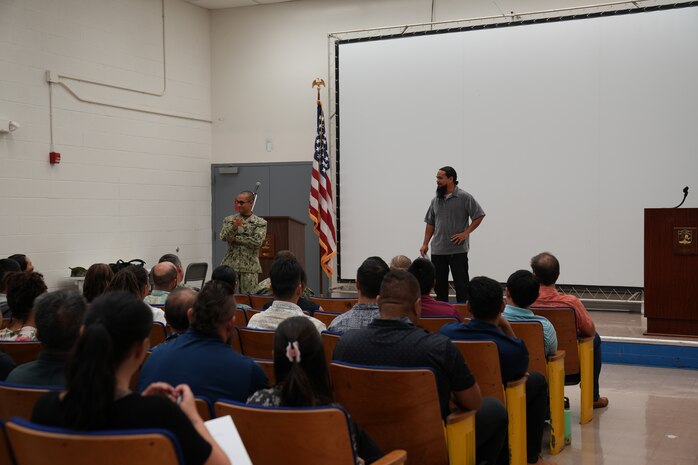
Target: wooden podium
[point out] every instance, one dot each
(671, 271)
(283, 233)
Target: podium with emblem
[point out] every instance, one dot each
(671, 271)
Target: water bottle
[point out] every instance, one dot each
(568, 422)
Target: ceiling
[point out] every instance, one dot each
(219, 4)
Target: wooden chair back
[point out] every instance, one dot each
(398, 408)
(258, 301)
(565, 324)
(243, 299)
(464, 310)
(158, 333)
(5, 453)
(240, 318)
(434, 323)
(326, 317)
(21, 352)
(235, 340)
(531, 332)
(482, 358)
(250, 312)
(257, 343)
(334, 305)
(329, 342)
(203, 407)
(37, 445)
(289, 434)
(18, 401)
(268, 367)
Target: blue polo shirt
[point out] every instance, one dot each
(208, 365)
(513, 355)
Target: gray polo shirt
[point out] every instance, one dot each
(451, 216)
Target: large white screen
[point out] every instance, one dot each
(564, 132)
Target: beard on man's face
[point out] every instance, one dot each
(441, 191)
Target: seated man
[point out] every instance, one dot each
(393, 340)
(202, 357)
(547, 269)
(488, 325)
(369, 277)
(286, 287)
(264, 286)
(424, 271)
(7, 265)
(228, 275)
(58, 316)
(174, 259)
(400, 262)
(164, 281)
(177, 306)
(521, 292)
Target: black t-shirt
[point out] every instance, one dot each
(136, 412)
(398, 343)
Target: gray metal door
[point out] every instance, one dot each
(283, 191)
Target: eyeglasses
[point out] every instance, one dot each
(241, 202)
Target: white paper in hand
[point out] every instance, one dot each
(226, 435)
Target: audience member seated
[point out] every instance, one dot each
(424, 271)
(286, 286)
(58, 317)
(393, 340)
(174, 259)
(228, 275)
(97, 279)
(400, 262)
(134, 280)
(22, 289)
(547, 269)
(6, 266)
(25, 264)
(485, 297)
(164, 281)
(112, 346)
(522, 291)
(264, 286)
(369, 277)
(202, 356)
(303, 380)
(177, 306)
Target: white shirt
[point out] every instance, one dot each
(278, 312)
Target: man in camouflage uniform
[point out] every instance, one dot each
(244, 232)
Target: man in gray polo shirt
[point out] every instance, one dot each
(448, 224)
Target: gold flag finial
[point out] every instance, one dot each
(318, 83)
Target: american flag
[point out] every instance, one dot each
(321, 204)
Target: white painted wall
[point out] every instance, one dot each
(265, 57)
(130, 185)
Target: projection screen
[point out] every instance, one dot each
(563, 131)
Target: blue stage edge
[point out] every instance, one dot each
(650, 352)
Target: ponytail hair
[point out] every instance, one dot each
(299, 364)
(115, 323)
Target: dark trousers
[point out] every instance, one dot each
(491, 422)
(537, 411)
(574, 379)
(458, 263)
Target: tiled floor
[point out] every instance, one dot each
(651, 419)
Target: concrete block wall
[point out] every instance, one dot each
(130, 184)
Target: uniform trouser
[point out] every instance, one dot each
(459, 268)
(247, 282)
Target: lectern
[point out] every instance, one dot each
(671, 271)
(283, 233)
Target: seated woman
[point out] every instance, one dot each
(112, 346)
(303, 380)
(22, 289)
(134, 280)
(97, 279)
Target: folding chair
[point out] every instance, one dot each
(196, 272)
(297, 436)
(34, 444)
(399, 408)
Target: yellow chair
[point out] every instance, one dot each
(38, 445)
(399, 409)
(482, 358)
(553, 368)
(334, 305)
(297, 436)
(579, 354)
(18, 401)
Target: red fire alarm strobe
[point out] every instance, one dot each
(54, 158)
